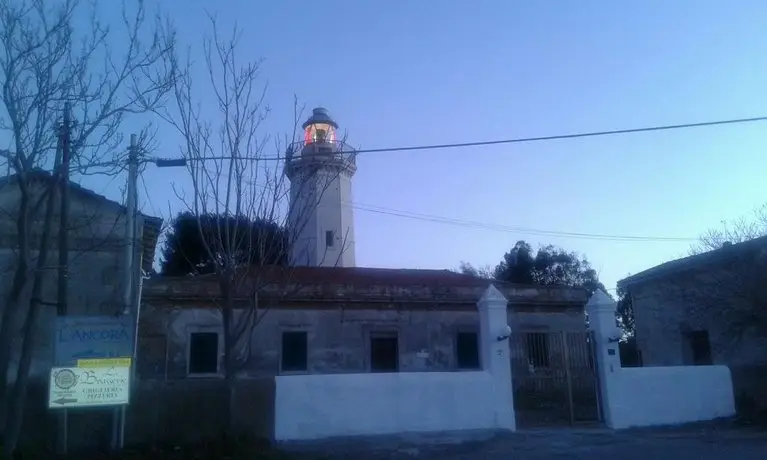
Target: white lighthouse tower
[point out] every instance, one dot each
(321, 219)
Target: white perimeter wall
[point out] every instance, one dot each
(319, 406)
(647, 396)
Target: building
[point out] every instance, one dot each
(321, 219)
(96, 255)
(96, 281)
(324, 315)
(360, 320)
(707, 309)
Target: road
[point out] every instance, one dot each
(657, 444)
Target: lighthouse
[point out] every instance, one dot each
(321, 219)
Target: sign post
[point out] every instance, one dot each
(92, 359)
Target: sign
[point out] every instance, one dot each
(106, 362)
(88, 387)
(92, 337)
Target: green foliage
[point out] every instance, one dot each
(548, 266)
(625, 312)
(193, 239)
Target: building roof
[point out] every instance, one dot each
(697, 261)
(357, 284)
(152, 225)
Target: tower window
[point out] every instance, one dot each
(329, 238)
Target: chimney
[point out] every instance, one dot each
(726, 244)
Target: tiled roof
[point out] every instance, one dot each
(357, 283)
(152, 225)
(696, 261)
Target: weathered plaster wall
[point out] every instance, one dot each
(337, 339)
(96, 273)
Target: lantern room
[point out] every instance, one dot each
(320, 127)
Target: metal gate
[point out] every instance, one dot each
(554, 378)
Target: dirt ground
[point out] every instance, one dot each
(699, 443)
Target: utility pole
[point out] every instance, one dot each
(130, 226)
(131, 293)
(118, 433)
(63, 272)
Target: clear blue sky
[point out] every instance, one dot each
(408, 72)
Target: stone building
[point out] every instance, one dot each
(360, 320)
(707, 309)
(96, 261)
(339, 319)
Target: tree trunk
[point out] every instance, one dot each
(229, 368)
(20, 277)
(16, 412)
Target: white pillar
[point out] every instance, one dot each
(602, 321)
(493, 321)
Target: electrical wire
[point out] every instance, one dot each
(498, 227)
(520, 230)
(513, 140)
(148, 196)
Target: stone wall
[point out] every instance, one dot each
(337, 339)
(663, 314)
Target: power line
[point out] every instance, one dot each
(511, 229)
(514, 140)
(502, 228)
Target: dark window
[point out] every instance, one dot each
(537, 346)
(203, 353)
(294, 351)
(384, 353)
(329, 238)
(467, 350)
(701, 348)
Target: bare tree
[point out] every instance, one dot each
(48, 63)
(237, 183)
(737, 231)
(486, 271)
(730, 287)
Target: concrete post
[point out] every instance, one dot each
(601, 309)
(495, 357)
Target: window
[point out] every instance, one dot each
(329, 238)
(294, 351)
(537, 346)
(701, 348)
(203, 353)
(384, 352)
(467, 350)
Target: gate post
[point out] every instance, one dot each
(602, 321)
(496, 360)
